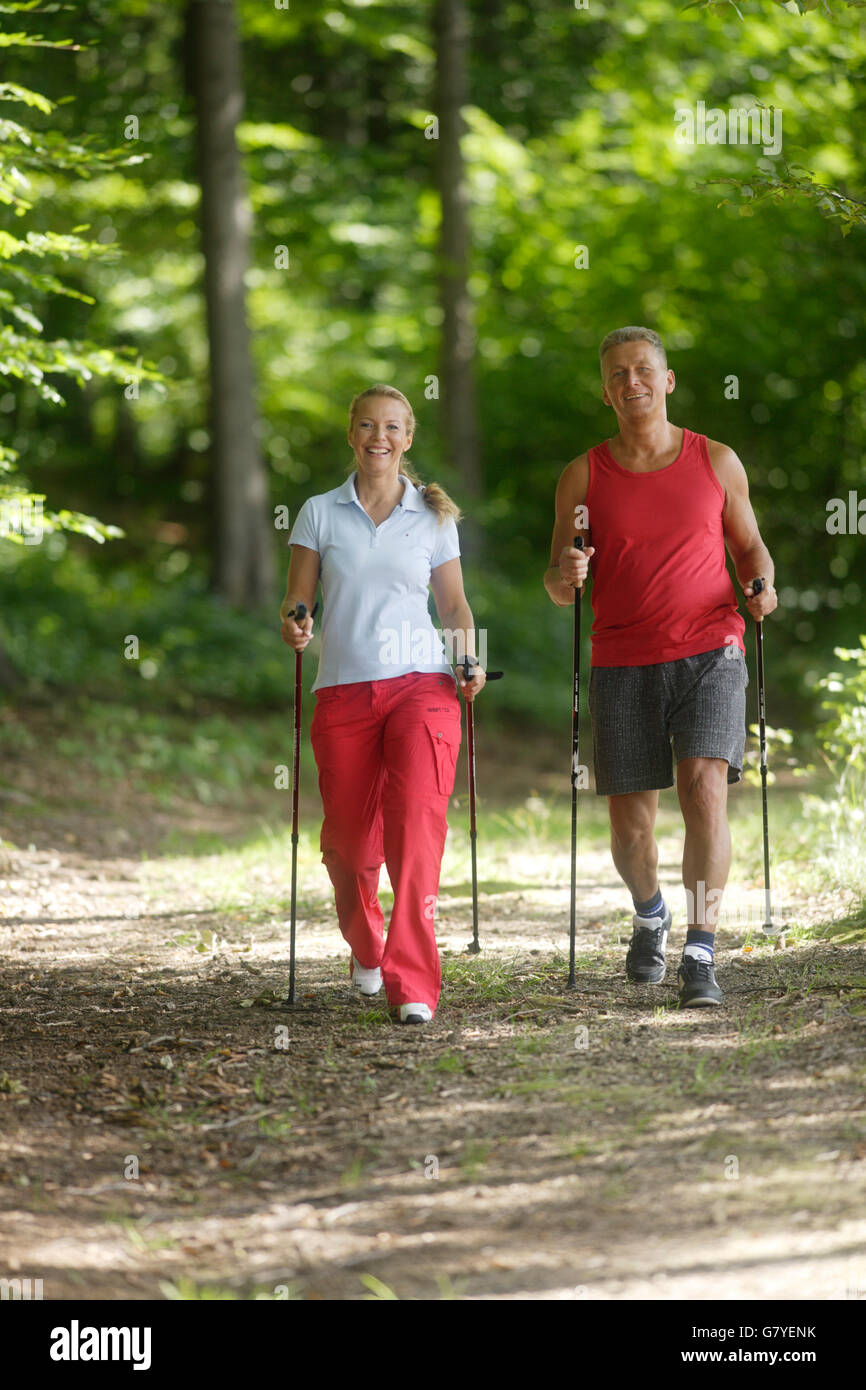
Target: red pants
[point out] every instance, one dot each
(387, 754)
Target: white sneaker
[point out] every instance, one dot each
(415, 1013)
(369, 982)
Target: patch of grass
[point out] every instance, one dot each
(616, 1189)
(495, 979)
(213, 760)
(761, 1047)
(707, 1076)
(572, 1147)
(184, 1289)
(522, 1048)
(474, 1157)
(847, 930)
(187, 1290)
(596, 1098)
(354, 1174)
(539, 820)
(304, 1099)
(377, 1291)
(380, 1292)
(541, 1083)
(474, 978)
(281, 1293)
(641, 1124)
(450, 1062)
(136, 1234)
(373, 1018)
(275, 1126)
(166, 1121)
(449, 1290)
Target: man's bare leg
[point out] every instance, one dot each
(702, 788)
(636, 856)
(632, 841)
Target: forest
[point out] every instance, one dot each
(220, 220)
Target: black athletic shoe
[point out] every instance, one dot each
(645, 962)
(699, 986)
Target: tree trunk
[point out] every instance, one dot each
(457, 385)
(243, 553)
(9, 678)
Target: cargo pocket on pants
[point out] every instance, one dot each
(446, 745)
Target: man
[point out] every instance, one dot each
(656, 505)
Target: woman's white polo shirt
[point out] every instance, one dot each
(375, 584)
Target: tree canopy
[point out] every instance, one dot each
(585, 211)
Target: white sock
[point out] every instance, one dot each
(651, 919)
(695, 951)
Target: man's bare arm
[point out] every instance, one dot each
(564, 570)
(747, 550)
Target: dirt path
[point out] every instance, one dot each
(167, 1129)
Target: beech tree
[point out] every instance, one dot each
(243, 559)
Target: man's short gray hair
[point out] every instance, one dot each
(632, 334)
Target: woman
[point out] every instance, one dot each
(386, 729)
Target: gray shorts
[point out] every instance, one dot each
(692, 708)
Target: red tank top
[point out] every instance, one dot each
(660, 587)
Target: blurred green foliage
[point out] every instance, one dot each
(570, 143)
(843, 744)
(67, 626)
(27, 355)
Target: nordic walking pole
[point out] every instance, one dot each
(768, 929)
(575, 773)
(467, 663)
(299, 614)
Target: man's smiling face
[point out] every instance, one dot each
(636, 380)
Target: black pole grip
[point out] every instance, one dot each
(757, 586)
(300, 613)
(469, 661)
(578, 545)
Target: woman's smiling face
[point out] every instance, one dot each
(380, 436)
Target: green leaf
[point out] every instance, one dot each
(10, 91)
(378, 1290)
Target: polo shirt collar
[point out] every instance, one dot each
(411, 501)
